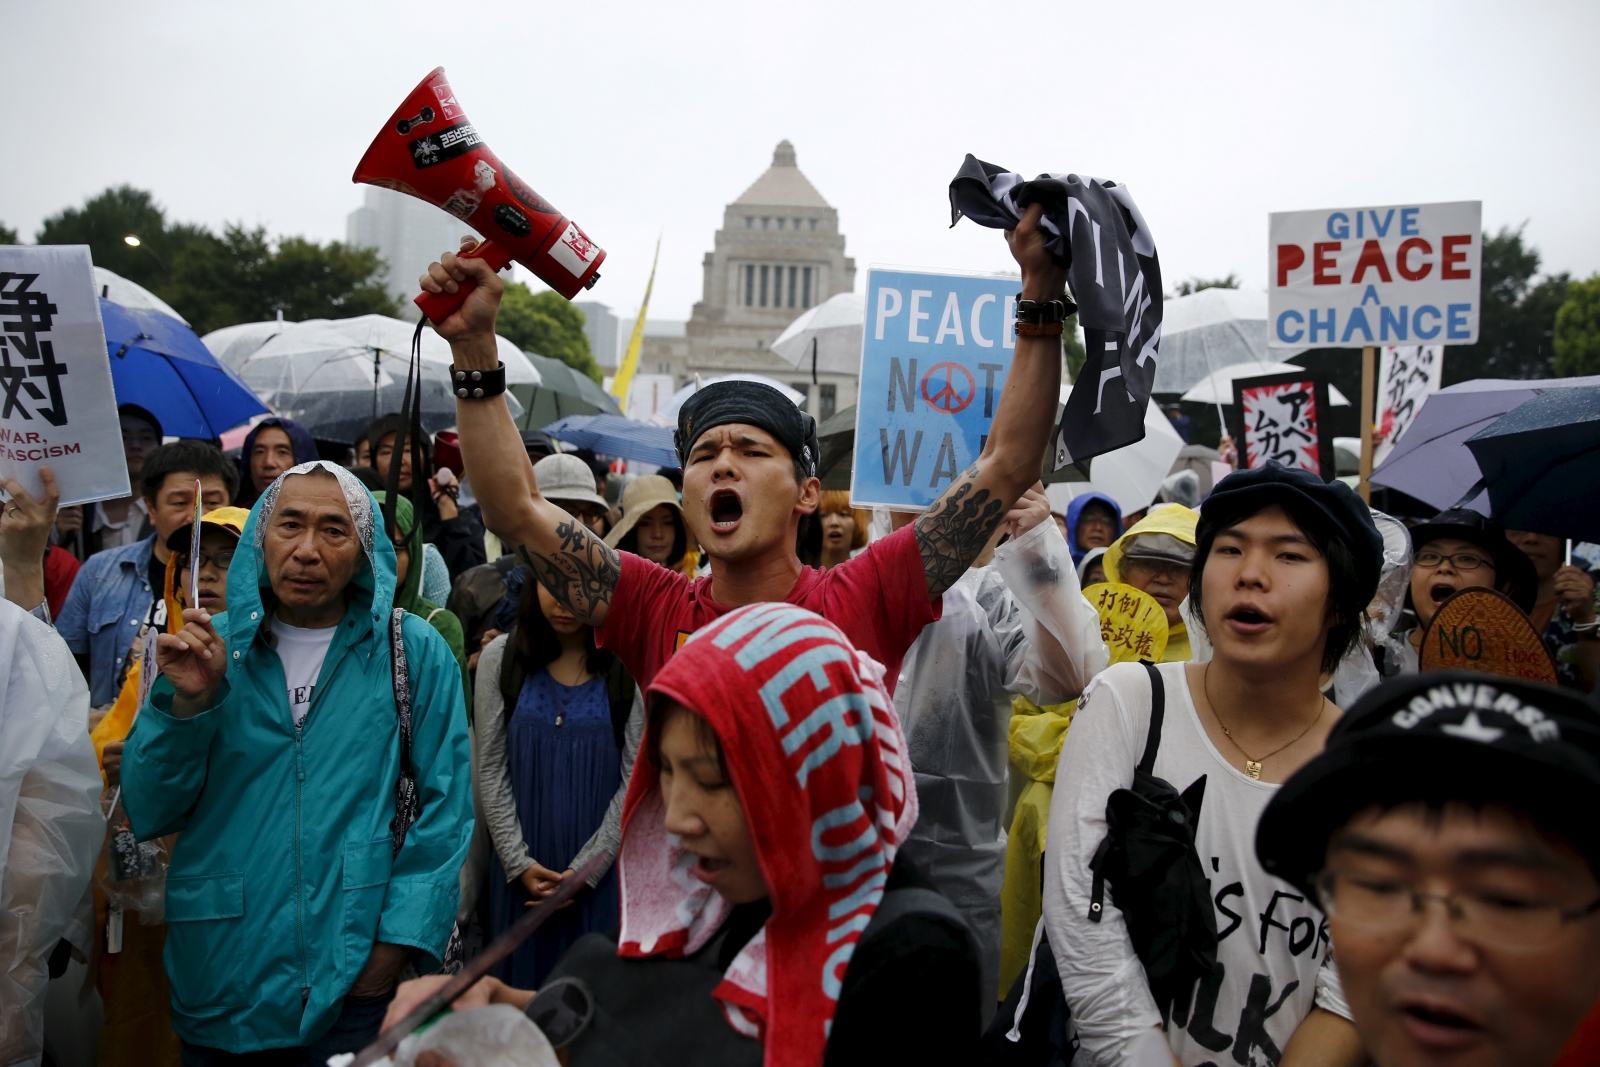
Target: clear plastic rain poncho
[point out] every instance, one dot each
(1020, 625)
(50, 821)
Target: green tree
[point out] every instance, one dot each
(1194, 285)
(8, 236)
(1516, 326)
(1072, 347)
(547, 325)
(1577, 333)
(243, 276)
(106, 221)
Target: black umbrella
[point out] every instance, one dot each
(1541, 464)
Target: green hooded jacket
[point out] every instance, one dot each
(284, 874)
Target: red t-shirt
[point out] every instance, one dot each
(879, 599)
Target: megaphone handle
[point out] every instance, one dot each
(440, 306)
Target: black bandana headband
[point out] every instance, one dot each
(755, 405)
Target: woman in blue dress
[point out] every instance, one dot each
(557, 726)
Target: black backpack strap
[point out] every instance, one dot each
(407, 801)
(1158, 713)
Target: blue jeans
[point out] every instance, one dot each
(354, 1029)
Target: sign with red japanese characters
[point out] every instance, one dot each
(1407, 375)
(1280, 418)
(58, 407)
(1352, 277)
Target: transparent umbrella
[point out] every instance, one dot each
(826, 338)
(336, 375)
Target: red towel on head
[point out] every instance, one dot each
(819, 762)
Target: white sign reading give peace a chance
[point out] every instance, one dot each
(57, 406)
(1352, 277)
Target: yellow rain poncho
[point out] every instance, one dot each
(1176, 521)
(1036, 734)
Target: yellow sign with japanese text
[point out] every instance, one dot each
(1132, 624)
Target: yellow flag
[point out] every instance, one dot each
(630, 359)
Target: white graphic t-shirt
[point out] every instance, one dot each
(1272, 953)
(302, 651)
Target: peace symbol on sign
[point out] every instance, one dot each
(946, 395)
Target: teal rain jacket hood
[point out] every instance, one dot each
(283, 874)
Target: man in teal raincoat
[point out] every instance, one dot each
(272, 742)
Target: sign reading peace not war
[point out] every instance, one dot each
(57, 407)
(1352, 277)
(935, 353)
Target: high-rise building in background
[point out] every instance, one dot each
(605, 333)
(407, 234)
(778, 253)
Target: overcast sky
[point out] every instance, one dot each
(638, 119)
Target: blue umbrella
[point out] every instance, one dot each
(158, 363)
(1541, 463)
(617, 436)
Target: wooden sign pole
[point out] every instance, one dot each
(1369, 371)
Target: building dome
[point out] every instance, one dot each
(782, 185)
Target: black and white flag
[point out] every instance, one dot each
(1096, 230)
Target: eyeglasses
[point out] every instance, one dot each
(1461, 561)
(1485, 917)
(220, 560)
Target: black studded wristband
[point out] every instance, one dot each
(478, 384)
(1043, 312)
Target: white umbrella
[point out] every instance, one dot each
(667, 413)
(119, 290)
(1217, 387)
(1210, 329)
(831, 331)
(1130, 475)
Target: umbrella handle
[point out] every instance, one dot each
(440, 306)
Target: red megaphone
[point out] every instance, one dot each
(430, 151)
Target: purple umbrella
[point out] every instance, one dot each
(1431, 460)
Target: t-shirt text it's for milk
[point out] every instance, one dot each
(302, 650)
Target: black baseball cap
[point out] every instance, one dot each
(1439, 737)
(1511, 564)
(1346, 512)
(756, 405)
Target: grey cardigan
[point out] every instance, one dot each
(492, 776)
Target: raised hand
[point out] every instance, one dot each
(1031, 508)
(24, 536)
(195, 661)
(1042, 277)
(1575, 589)
(475, 317)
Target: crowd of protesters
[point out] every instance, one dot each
(840, 789)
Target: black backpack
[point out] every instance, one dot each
(1157, 880)
(1156, 877)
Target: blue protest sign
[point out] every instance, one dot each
(935, 352)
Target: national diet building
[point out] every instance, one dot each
(779, 252)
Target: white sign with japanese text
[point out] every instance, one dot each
(1407, 375)
(1352, 277)
(57, 405)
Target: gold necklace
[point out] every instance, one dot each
(1252, 767)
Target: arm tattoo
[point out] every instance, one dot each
(581, 574)
(952, 532)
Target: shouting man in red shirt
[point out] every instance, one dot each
(749, 477)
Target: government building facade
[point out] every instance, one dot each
(778, 253)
